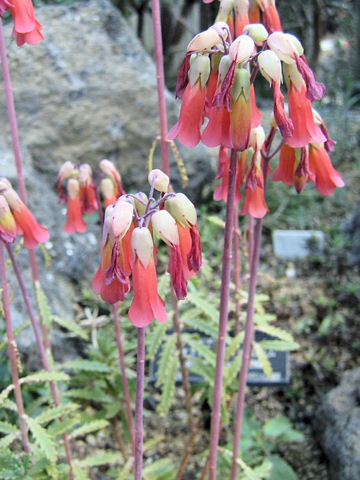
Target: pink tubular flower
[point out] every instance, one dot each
(7, 222)
(26, 28)
(324, 174)
(284, 172)
(75, 221)
(33, 232)
(254, 203)
(146, 303)
(87, 190)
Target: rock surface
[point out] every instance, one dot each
(337, 424)
(86, 93)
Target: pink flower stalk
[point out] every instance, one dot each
(146, 303)
(33, 232)
(221, 191)
(75, 221)
(26, 27)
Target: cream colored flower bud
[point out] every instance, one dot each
(296, 42)
(107, 226)
(283, 46)
(199, 68)
(106, 187)
(270, 66)
(209, 38)
(224, 66)
(241, 49)
(122, 217)
(5, 214)
(73, 188)
(256, 31)
(241, 84)
(67, 170)
(225, 10)
(182, 209)
(292, 74)
(142, 245)
(5, 184)
(165, 226)
(160, 179)
(257, 138)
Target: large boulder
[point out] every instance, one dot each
(87, 92)
(337, 424)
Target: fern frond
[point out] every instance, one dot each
(43, 305)
(88, 428)
(71, 326)
(42, 438)
(168, 386)
(263, 359)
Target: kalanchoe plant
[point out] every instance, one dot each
(26, 27)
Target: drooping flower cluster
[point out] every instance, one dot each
(16, 219)
(216, 85)
(26, 27)
(128, 249)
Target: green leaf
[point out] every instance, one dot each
(38, 467)
(248, 471)
(23, 326)
(204, 305)
(45, 376)
(88, 428)
(5, 393)
(95, 395)
(167, 353)
(87, 365)
(232, 371)
(234, 345)
(155, 338)
(279, 345)
(206, 371)
(6, 427)
(201, 349)
(197, 324)
(263, 359)
(125, 472)
(42, 438)
(277, 426)
(153, 442)
(8, 439)
(100, 458)
(56, 412)
(281, 470)
(43, 305)
(275, 332)
(80, 473)
(162, 469)
(58, 428)
(11, 467)
(71, 326)
(168, 386)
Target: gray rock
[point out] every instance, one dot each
(351, 228)
(337, 424)
(86, 93)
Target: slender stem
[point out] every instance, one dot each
(247, 346)
(119, 438)
(237, 273)
(40, 346)
(160, 84)
(224, 300)
(139, 429)
(123, 376)
(250, 239)
(186, 457)
(12, 352)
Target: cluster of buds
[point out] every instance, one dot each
(16, 219)
(128, 249)
(216, 82)
(81, 191)
(26, 28)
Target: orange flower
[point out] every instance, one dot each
(75, 221)
(325, 176)
(26, 28)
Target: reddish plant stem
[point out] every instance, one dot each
(249, 336)
(12, 352)
(224, 307)
(40, 346)
(250, 239)
(123, 376)
(139, 428)
(119, 438)
(186, 457)
(237, 272)
(18, 160)
(160, 77)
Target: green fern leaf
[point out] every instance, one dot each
(155, 338)
(100, 458)
(201, 349)
(167, 354)
(71, 326)
(95, 395)
(43, 305)
(67, 425)
(56, 412)
(87, 365)
(198, 367)
(88, 428)
(197, 324)
(276, 332)
(162, 469)
(204, 305)
(153, 442)
(42, 438)
(234, 345)
(9, 405)
(232, 371)
(168, 386)
(8, 439)
(6, 427)
(5, 393)
(279, 345)
(80, 473)
(45, 376)
(125, 472)
(263, 359)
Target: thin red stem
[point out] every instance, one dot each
(12, 352)
(223, 319)
(237, 273)
(123, 376)
(139, 428)
(160, 77)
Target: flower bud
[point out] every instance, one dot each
(107, 226)
(199, 68)
(241, 84)
(292, 74)
(159, 179)
(165, 225)
(225, 10)
(85, 174)
(257, 138)
(140, 200)
(209, 38)
(7, 222)
(5, 184)
(73, 188)
(256, 31)
(182, 209)
(224, 66)
(106, 187)
(13, 199)
(108, 168)
(122, 216)
(283, 45)
(270, 66)
(241, 49)
(142, 245)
